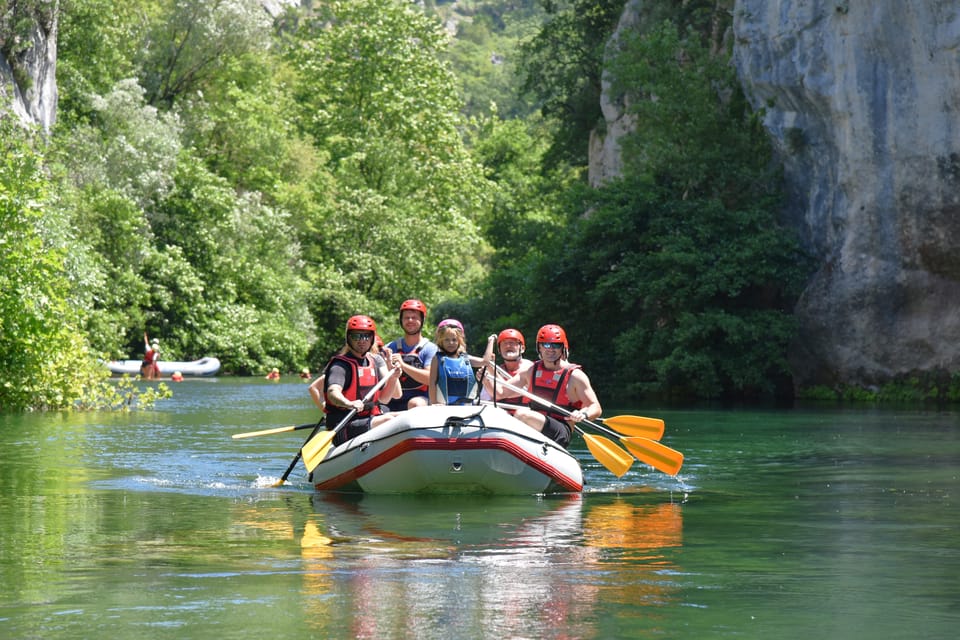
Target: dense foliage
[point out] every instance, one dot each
(398, 217)
(711, 278)
(563, 68)
(41, 350)
(237, 185)
(682, 258)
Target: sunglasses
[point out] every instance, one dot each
(359, 337)
(551, 345)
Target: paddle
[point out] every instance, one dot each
(316, 448)
(657, 455)
(610, 455)
(636, 426)
(627, 425)
(615, 459)
(293, 462)
(267, 432)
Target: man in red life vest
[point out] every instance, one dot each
(511, 345)
(350, 375)
(149, 369)
(559, 382)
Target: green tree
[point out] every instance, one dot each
(98, 45)
(683, 256)
(524, 213)
(398, 218)
(485, 54)
(562, 67)
(129, 147)
(170, 181)
(113, 167)
(114, 283)
(43, 352)
(191, 42)
(228, 277)
(241, 126)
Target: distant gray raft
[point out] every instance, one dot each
(201, 367)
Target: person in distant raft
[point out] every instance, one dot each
(149, 369)
(557, 381)
(413, 353)
(350, 375)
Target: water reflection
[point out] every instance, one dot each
(528, 567)
(837, 524)
(640, 541)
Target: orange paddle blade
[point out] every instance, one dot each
(637, 426)
(610, 455)
(657, 455)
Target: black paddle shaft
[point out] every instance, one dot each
(296, 458)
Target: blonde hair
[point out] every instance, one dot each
(442, 331)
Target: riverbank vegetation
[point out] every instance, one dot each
(237, 184)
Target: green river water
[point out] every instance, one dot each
(799, 523)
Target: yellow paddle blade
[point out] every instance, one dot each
(636, 426)
(610, 455)
(657, 455)
(315, 450)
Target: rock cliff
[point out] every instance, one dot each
(28, 62)
(862, 103)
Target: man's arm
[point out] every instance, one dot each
(316, 391)
(426, 357)
(391, 388)
(336, 381)
(580, 390)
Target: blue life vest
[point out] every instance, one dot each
(456, 382)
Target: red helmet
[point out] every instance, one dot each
(361, 323)
(512, 334)
(414, 305)
(552, 333)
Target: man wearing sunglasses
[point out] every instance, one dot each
(560, 383)
(349, 377)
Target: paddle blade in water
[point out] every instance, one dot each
(657, 455)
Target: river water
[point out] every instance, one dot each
(782, 524)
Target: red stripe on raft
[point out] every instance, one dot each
(433, 444)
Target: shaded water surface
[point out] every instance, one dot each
(792, 524)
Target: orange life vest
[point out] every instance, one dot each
(552, 386)
(363, 377)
